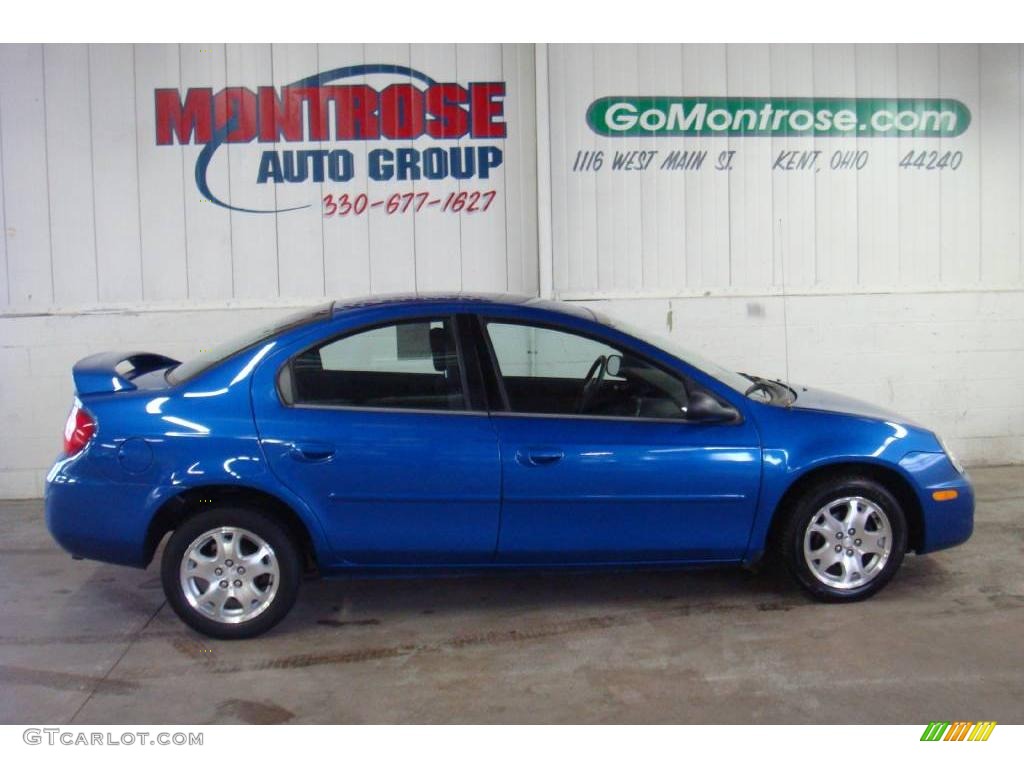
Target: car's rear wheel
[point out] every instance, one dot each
(231, 572)
(844, 538)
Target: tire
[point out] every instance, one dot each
(866, 560)
(243, 548)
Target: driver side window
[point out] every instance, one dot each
(557, 372)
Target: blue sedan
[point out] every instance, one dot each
(422, 434)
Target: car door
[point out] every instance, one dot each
(374, 430)
(630, 475)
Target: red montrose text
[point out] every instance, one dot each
(331, 113)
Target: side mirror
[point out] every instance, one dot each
(613, 365)
(706, 409)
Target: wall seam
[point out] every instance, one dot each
(138, 173)
(504, 174)
(184, 188)
(46, 163)
(544, 202)
(231, 213)
(92, 174)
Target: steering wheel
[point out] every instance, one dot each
(591, 382)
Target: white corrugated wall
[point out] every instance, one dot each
(754, 230)
(97, 214)
(901, 286)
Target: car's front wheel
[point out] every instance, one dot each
(844, 539)
(231, 572)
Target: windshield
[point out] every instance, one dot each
(211, 357)
(732, 379)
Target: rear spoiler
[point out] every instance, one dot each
(114, 371)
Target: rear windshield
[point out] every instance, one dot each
(211, 357)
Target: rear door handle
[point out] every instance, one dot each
(312, 451)
(539, 457)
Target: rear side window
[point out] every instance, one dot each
(406, 365)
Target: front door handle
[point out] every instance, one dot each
(312, 451)
(539, 457)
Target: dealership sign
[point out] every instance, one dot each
(309, 121)
(654, 116)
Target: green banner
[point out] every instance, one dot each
(732, 116)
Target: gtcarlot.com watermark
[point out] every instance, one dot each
(78, 738)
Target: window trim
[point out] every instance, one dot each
(483, 320)
(381, 409)
(490, 359)
(466, 410)
(476, 371)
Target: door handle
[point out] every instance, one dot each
(312, 451)
(539, 457)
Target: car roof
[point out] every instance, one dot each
(472, 301)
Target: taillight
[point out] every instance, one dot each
(78, 430)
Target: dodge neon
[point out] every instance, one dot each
(420, 434)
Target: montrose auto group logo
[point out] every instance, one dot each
(310, 121)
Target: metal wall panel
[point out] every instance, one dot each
(26, 186)
(115, 172)
(517, 65)
(878, 192)
(759, 230)
(253, 238)
(436, 261)
(96, 214)
(69, 170)
(164, 247)
(1000, 137)
(208, 228)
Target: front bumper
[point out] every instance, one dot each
(945, 523)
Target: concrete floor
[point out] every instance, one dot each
(87, 643)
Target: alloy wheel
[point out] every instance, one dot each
(847, 542)
(229, 575)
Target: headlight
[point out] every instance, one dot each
(950, 455)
